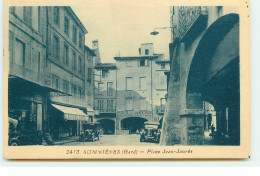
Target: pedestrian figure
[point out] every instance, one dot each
(212, 128)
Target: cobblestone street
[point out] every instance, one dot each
(112, 140)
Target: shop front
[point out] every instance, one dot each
(65, 121)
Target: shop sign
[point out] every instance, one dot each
(74, 117)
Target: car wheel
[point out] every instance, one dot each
(141, 139)
(80, 138)
(14, 143)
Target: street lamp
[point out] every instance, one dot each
(156, 32)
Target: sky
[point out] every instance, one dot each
(122, 28)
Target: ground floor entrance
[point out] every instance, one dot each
(133, 124)
(107, 126)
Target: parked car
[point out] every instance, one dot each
(91, 132)
(17, 137)
(151, 132)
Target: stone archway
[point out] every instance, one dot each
(108, 126)
(132, 124)
(214, 76)
(207, 70)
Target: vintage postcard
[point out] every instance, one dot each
(121, 79)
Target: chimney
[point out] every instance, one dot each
(94, 44)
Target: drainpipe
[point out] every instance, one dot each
(152, 89)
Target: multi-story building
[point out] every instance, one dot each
(141, 89)
(89, 81)
(29, 81)
(105, 96)
(65, 51)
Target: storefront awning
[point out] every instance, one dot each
(71, 113)
(90, 110)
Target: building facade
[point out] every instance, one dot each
(29, 82)
(141, 89)
(204, 68)
(66, 39)
(105, 100)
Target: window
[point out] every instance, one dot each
(66, 86)
(35, 17)
(74, 90)
(142, 83)
(80, 64)
(66, 54)
(163, 102)
(146, 51)
(89, 74)
(110, 105)
(101, 105)
(74, 61)
(19, 11)
(56, 15)
(104, 73)
(142, 63)
(109, 89)
(55, 82)
(80, 92)
(129, 83)
(129, 104)
(66, 26)
(19, 58)
(80, 40)
(100, 88)
(56, 46)
(163, 66)
(39, 63)
(74, 36)
(142, 104)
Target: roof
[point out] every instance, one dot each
(105, 65)
(71, 12)
(135, 57)
(90, 50)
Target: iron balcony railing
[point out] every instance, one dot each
(105, 110)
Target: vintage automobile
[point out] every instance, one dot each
(151, 132)
(91, 132)
(18, 137)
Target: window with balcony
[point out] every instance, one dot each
(109, 89)
(19, 53)
(74, 36)
(129, 104)
(56, 47)
(101, 105)
(66, 54)
(100, 88)
(142, 83)
(66, 86)
(129, 83)
(74, 61)
(56, 15)
(109, 105)
(55, 82)
(66, 26)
